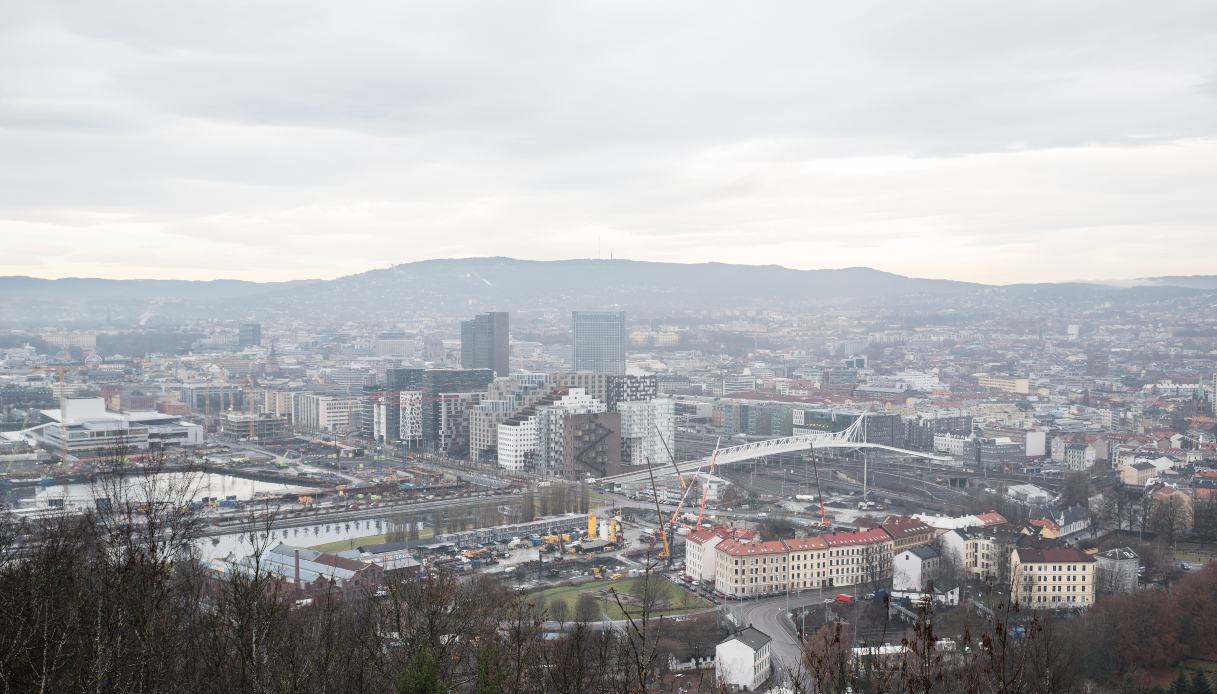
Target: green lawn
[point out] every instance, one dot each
(1198, 555)
(353, 542)
(679, 600)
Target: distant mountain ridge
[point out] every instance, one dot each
(458, 287)
(1188, 281)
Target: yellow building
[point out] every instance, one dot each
(1052, 577)
(835, 559)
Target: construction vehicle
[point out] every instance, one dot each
(597, 572)
(617, 576)
(591, 525)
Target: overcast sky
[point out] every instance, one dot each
(997, 142)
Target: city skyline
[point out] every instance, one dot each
(999, 144)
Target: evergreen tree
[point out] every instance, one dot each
(422, 675)
(1200, 683)
(1181, 685)
(489, 673)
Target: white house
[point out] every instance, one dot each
(699, 554)
(1079, 456)
(914, 569)
(743, 660)
(1072, 520)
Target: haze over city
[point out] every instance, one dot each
(996, 143)
(424, 347)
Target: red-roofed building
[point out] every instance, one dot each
(754, 568)
(700, 546)
(1046, 528)
(837, 559)
(991, 518)
(907, 532)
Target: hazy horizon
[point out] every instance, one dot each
(1104, 280)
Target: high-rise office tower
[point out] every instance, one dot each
(599, 338)
(484, 343)
(249, 335)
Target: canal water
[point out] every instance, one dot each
(201, 485)
(237, 545)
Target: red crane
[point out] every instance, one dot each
(705, 484)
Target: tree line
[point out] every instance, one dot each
(120, 601)
(1122, 644)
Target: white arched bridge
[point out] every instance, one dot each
(851, 437)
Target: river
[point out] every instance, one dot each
(239, 545)
(203, 484)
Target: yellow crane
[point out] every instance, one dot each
(665, 555)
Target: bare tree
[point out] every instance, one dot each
(1170, 516)
(559, 610)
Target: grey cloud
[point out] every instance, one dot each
(471, 128)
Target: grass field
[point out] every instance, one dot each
(679, 600)
(1194, 552)
(353, 542)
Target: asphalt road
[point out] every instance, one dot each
(766, 615)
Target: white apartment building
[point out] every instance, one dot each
(517, 444)
(353, 377)
(951, 444)
(978, 552)
(313, 412)
(744, 660)
(278, 402)
(919, 380)
(525, 441)
(739, 383)
(699, 554)
(410, 424)
(645, 427)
